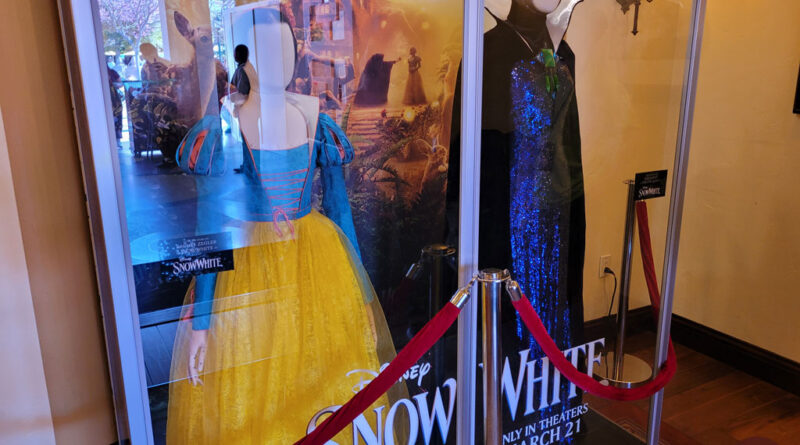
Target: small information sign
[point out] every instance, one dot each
(650, 185)
(196, 255)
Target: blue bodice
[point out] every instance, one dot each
(278, 183)
(277, 186)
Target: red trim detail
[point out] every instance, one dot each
(196, 146)
(180, 149)
(338, 143)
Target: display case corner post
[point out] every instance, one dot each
(81, 32)
(472, 79)
(676, 207)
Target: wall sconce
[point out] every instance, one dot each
(626, 5)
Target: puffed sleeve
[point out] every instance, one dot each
(333, 152)
(203, 301)
(200, 151)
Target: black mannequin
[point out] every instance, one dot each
(511, 48)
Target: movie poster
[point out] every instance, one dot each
(386, 70)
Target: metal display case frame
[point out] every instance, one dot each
(94, 122)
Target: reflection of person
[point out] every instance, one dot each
(314, 27)
(114, 82)
(415, 93)
(302, 71)
(240, 82)
(272, 341)
(130, 71)
(330, 99)
(240, 79)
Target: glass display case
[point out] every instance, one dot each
(284, 192)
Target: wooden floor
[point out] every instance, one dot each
(708, 402)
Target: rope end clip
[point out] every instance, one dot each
(461, 297)
(514, 291)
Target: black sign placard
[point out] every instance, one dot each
(197, 265)
(196, 255)
(650, 185)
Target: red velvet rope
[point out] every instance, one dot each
(419, 345)
(399, 298)
(647, 255)
(437, 326)
(583, 381)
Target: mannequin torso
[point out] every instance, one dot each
(559, 13)
(271, 118)
(558, 21)
(284, 120)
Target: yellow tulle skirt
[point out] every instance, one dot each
(295, 329)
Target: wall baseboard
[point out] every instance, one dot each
(758, 362)
(639, 320)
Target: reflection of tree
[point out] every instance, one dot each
(216, 8)
(127, 22)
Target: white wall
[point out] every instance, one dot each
(740, 245)
(25, 408)
(739, 261)
(47, 183)
(629, 91)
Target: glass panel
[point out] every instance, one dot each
(565, 123)
(283, 165)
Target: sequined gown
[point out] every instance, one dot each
(532, 218)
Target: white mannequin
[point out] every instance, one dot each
(558, 20)
(499, 8)
(559, 13)
(271, 118)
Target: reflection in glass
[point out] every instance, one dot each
(266, 345)
(243, 289)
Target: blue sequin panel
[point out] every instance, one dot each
(539, 207)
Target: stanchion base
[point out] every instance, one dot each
(635, 371)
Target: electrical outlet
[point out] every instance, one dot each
(604, 262)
